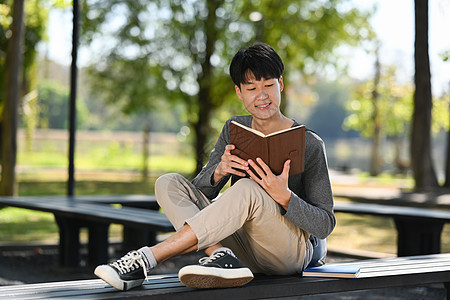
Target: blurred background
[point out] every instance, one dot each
(153, 92)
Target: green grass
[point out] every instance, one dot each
(121, 151)
(20, 225)
(39, 188)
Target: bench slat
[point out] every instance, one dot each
(392, 211)
(169, 287)
(146, 219)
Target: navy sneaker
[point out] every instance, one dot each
(220, 270)
(126, 273)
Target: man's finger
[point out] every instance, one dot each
(257, 168)
(236, 172)
(253, 176)
(264, 166)
(237, 165)
(229, 147)
(286, 168)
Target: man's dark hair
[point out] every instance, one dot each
(260, 59)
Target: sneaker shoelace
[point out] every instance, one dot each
(130, 262)
(208, 259)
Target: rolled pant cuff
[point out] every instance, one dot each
(200, 232)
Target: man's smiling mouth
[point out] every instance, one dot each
(263, 105)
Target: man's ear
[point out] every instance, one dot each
(281, 83)
(238, 91)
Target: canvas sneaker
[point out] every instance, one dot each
(124, 274)
(220, 270)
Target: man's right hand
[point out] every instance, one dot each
(230, 164)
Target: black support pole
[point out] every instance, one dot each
(72, 101)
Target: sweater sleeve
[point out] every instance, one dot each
(205, 179)
(311, 209)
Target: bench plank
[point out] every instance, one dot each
(393, 211)
(96, 212)
(378, 273)
(438, 198)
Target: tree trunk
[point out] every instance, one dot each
(146, 151)
(375, 161)
(401, 164)
(421, 161)
(447, 165)
(202, 126)
(14, 57)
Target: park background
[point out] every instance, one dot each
(137, 109)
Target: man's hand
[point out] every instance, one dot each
(275, 186)
(230, 164)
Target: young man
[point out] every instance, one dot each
(267, 222)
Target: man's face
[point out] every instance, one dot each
(261, 97)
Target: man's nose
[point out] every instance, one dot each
(261, 94)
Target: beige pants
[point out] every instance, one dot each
(244, 218)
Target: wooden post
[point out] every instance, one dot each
(72, 101)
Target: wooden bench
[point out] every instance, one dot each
(72, 213)
(419, 229)
(132, 237)
(436, 198)
(378, 273)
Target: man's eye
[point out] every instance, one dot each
(269, 85)
(251, 89)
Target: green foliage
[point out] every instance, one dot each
(54, 106)
(440, 113)
(394, 106)
(306, 33)
(445, 55)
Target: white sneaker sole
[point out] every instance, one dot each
(200, 277)
(110, 276)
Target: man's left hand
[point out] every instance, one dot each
(275, 186)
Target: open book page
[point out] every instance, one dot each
(259, 132)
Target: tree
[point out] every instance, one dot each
(183, 48)
(36, 19)
(445, 111)
(421, 160)
(375, 161)
(14, 58)
(22, 27)
(388, 117)
(445, 57)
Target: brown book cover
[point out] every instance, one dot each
(274, 149)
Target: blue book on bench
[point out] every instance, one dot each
(332, 271)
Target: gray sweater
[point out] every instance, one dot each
(311, 204)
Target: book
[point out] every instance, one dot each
(332, 271)
(274, 149)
